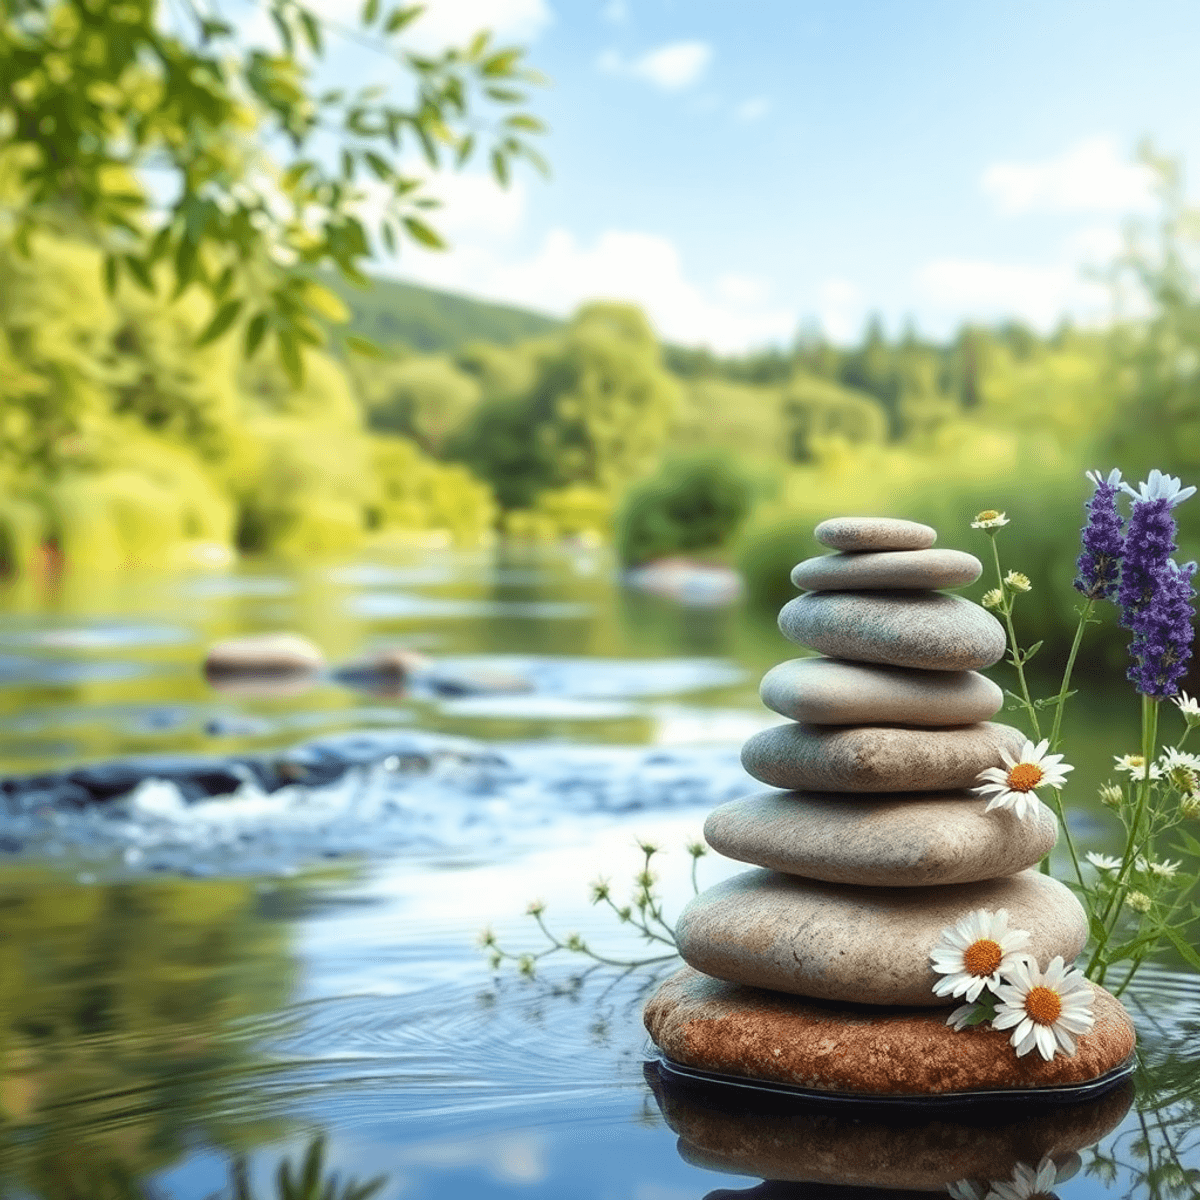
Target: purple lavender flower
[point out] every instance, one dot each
(1156, 593)
(1103, 542)
(1162, 639)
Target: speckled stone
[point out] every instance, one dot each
(876, 758)
(851, 572)
(835, 941)
(874, 533)
(928, 630)
(744, 1031)
(882, 841)
(832, 691)
(723, 1129)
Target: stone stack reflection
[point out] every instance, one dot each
(813, 969)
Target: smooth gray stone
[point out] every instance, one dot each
(876, 758)
(874, 570)
(831, 691)
(917, 840)
(927, 630)
(874, 533)
(836, 941)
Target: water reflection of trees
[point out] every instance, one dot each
(125, 1026)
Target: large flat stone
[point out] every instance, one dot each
(871, 571)
(928, 630)
(874, 533)
(882, 841)
(744, 1031)
(835, 941)
(876, 758)
(832, 691)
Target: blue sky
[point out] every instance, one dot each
(744, 169)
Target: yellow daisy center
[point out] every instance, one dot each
(1043, 1005)
(1024, 777)
(988, 514)
(982, 957)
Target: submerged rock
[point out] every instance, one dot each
(264, 654)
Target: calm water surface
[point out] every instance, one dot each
(195, 992)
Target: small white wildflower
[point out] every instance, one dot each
(1135, 765)
(992, 599)
(1139, 902)
(1018, 581)
(1015, 784)
(1166, 869)
(1189, 706)
(1113, 480)
(989, 519)
(1111, 795)
(1103, 862)
(973, 953)
(1049, 1009)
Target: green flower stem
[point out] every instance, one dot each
(1006, 609)
(1060, 810)
(1061, 699)
(1121, 884)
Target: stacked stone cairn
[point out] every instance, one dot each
(813, 969)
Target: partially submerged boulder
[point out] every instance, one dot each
(263, 654)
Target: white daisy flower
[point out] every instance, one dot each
(1187, 705)
(1018, 581)
(1013, 785)
(974, 953)
(960, 1017)
(990, 519)
(1160, 487)
(1027, 1182)
(1103, 862)
(1135, 765)
(1048, 1009)
(1165, 869)
(967, 1189)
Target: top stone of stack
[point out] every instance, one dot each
(874, 533)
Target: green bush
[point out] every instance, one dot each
(697, 502)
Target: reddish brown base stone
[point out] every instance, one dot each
(732, 1029)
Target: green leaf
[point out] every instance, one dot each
(1032, 651)
(327, 303)
(290, 358)
(389, 236)
(422, 233)
(464, 149)
(363, 346)
(224, 283)
(185, 265)
(402, 16)
(380, 167)
(285, 32)
(347, 165)
(295, 173)
(533, 125)
(1189, 953)
(500, 168)
(140, 273)
(112, 268)
(222, 320)
(312, 30)
(370, 12)
(500, 64)
(255, 331)
(503, 95)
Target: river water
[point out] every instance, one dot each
(192, 993)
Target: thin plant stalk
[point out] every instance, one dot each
(1006, 609)
(1061, 699)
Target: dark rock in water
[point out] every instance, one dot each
(11, 845)
(384, 673)
(482, 683)
(748, 1032)
(196, 778)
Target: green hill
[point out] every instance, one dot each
(432, 321)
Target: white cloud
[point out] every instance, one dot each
(453, 22)
(841, 310)
(1040, 295)
(753, 109)
(616, 11)
(1091, 176)
(673, 67)
(563, 272)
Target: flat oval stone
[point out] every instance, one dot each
(736, 1030)
(852, 572)
(881, 841)
(876, 758)
(832, 691)
(874, 533)
(837, 941)
(928, 630)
